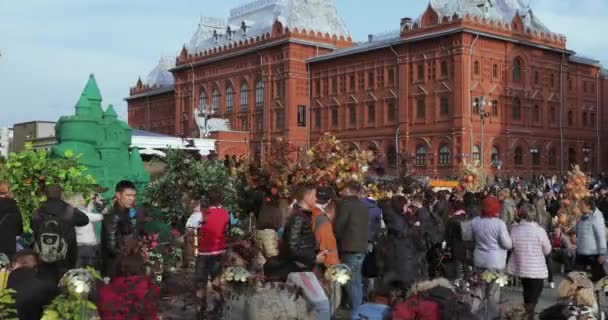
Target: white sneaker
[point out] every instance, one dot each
(552, 285)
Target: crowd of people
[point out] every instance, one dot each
(390, 244)
(64, 238)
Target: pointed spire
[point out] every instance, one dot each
(91, 90)
(83, 107)
(110, 112)
(139, 83)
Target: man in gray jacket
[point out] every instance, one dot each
(351, 228)
(591, 241)
(507, 209)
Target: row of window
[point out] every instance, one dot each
(391, 115)
(229, 93)
(518, 156)
(431, 72)
(373, 78)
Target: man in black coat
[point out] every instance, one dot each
(117, 226)
(55, 208)
(351, 229)
(298, 252)
(32, 290)
(11, 224)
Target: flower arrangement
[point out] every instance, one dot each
(331, 163)
(73, 303)
(575, 190)
(235, 233)
(472, 177)
(339, 273)
(500, 279)
(235, 275)
(151, 252)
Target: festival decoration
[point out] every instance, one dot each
(500, 279)
(339, 273)
(472, 177)
(187, 178)
(7, 305)
(235, 275)
(272, 176)
(331, 163)
(4, 261)
(575, 190)
(30, 171)
(73, 303)
(79, 282)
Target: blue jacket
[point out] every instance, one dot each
(375, 218)
(591, 235)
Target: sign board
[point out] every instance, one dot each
(301, 116)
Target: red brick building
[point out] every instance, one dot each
(277, 70)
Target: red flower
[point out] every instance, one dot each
(268, 199)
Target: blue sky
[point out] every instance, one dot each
(50, 47)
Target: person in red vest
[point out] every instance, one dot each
(211, 241)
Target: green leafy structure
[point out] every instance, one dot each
(186, 178)
(7, 305)
(31, 170)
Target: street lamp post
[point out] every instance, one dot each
(534, 151)
(586, 151)
(480, 103)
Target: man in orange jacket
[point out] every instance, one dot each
(322, 218)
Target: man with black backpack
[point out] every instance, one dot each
(54, 232)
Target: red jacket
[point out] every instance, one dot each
(416, 308)
(212, 233)
(129, 298)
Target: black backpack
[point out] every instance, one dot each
(51, 243)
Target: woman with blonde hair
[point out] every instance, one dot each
(11, 225)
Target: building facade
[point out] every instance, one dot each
(466, 80)
(40, 133)
(6, 141)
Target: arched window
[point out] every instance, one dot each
(444, 155)
(494, 108)
(476, 106)
(572, 156)
(518, 158)
(495, 155)
(552, 158)
(215, 101)
(536, 113)
(244, 96)
(516, 109)
(444, 68)
(203, 103)
(476, 67)
(259, 94)
(517, 70)
(476, 153)
(535, 151)
(229, 98)
(421, 156)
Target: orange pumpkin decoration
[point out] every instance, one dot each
(470, 179)
(562, 219)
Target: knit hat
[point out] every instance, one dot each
(490, 207)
